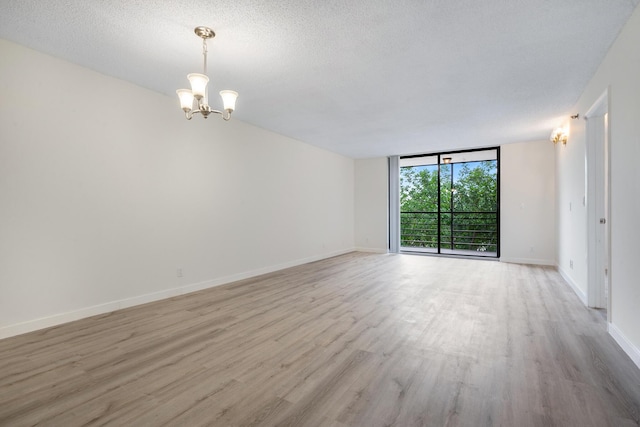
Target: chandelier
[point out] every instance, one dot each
(195, 100)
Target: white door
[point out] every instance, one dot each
(598, 204)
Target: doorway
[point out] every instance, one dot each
(449, 203)
(598, 205)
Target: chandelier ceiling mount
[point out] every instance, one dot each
(204, 32)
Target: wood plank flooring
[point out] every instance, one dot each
(356, 340)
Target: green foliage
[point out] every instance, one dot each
(468, 208)
(476, 188)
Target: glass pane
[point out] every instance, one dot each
(445, 231)
(475, 186)
(445, 187)
(419, 203)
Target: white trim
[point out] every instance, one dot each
(394, 204)
(579, 292)
(58, 319)
(373, 250)
(600, 107)
(594, 152)
(531, 261)
(632, 351)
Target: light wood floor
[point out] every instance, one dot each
(357, 340)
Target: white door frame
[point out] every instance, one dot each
(598, 205)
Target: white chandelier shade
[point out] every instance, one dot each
(229, 99)
(198, 84)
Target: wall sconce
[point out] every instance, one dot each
(446, 160)
(559, 135)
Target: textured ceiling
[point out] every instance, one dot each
(361, 78)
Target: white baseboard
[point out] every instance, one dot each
(58, 319)
(373, 250)
(632, 351)
(531, 261)
(574, 286)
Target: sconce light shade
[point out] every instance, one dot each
(198, 84)
(446, 160)
(229, 99)
(559, 135)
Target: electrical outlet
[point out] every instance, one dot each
(179, 272)
(571, 264)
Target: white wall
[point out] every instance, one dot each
(527, 203)
(620, 72)
(371, 204)
(106, 190)
(572, 210)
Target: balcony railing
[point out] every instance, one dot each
(460, 232)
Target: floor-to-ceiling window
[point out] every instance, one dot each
(449, 203)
